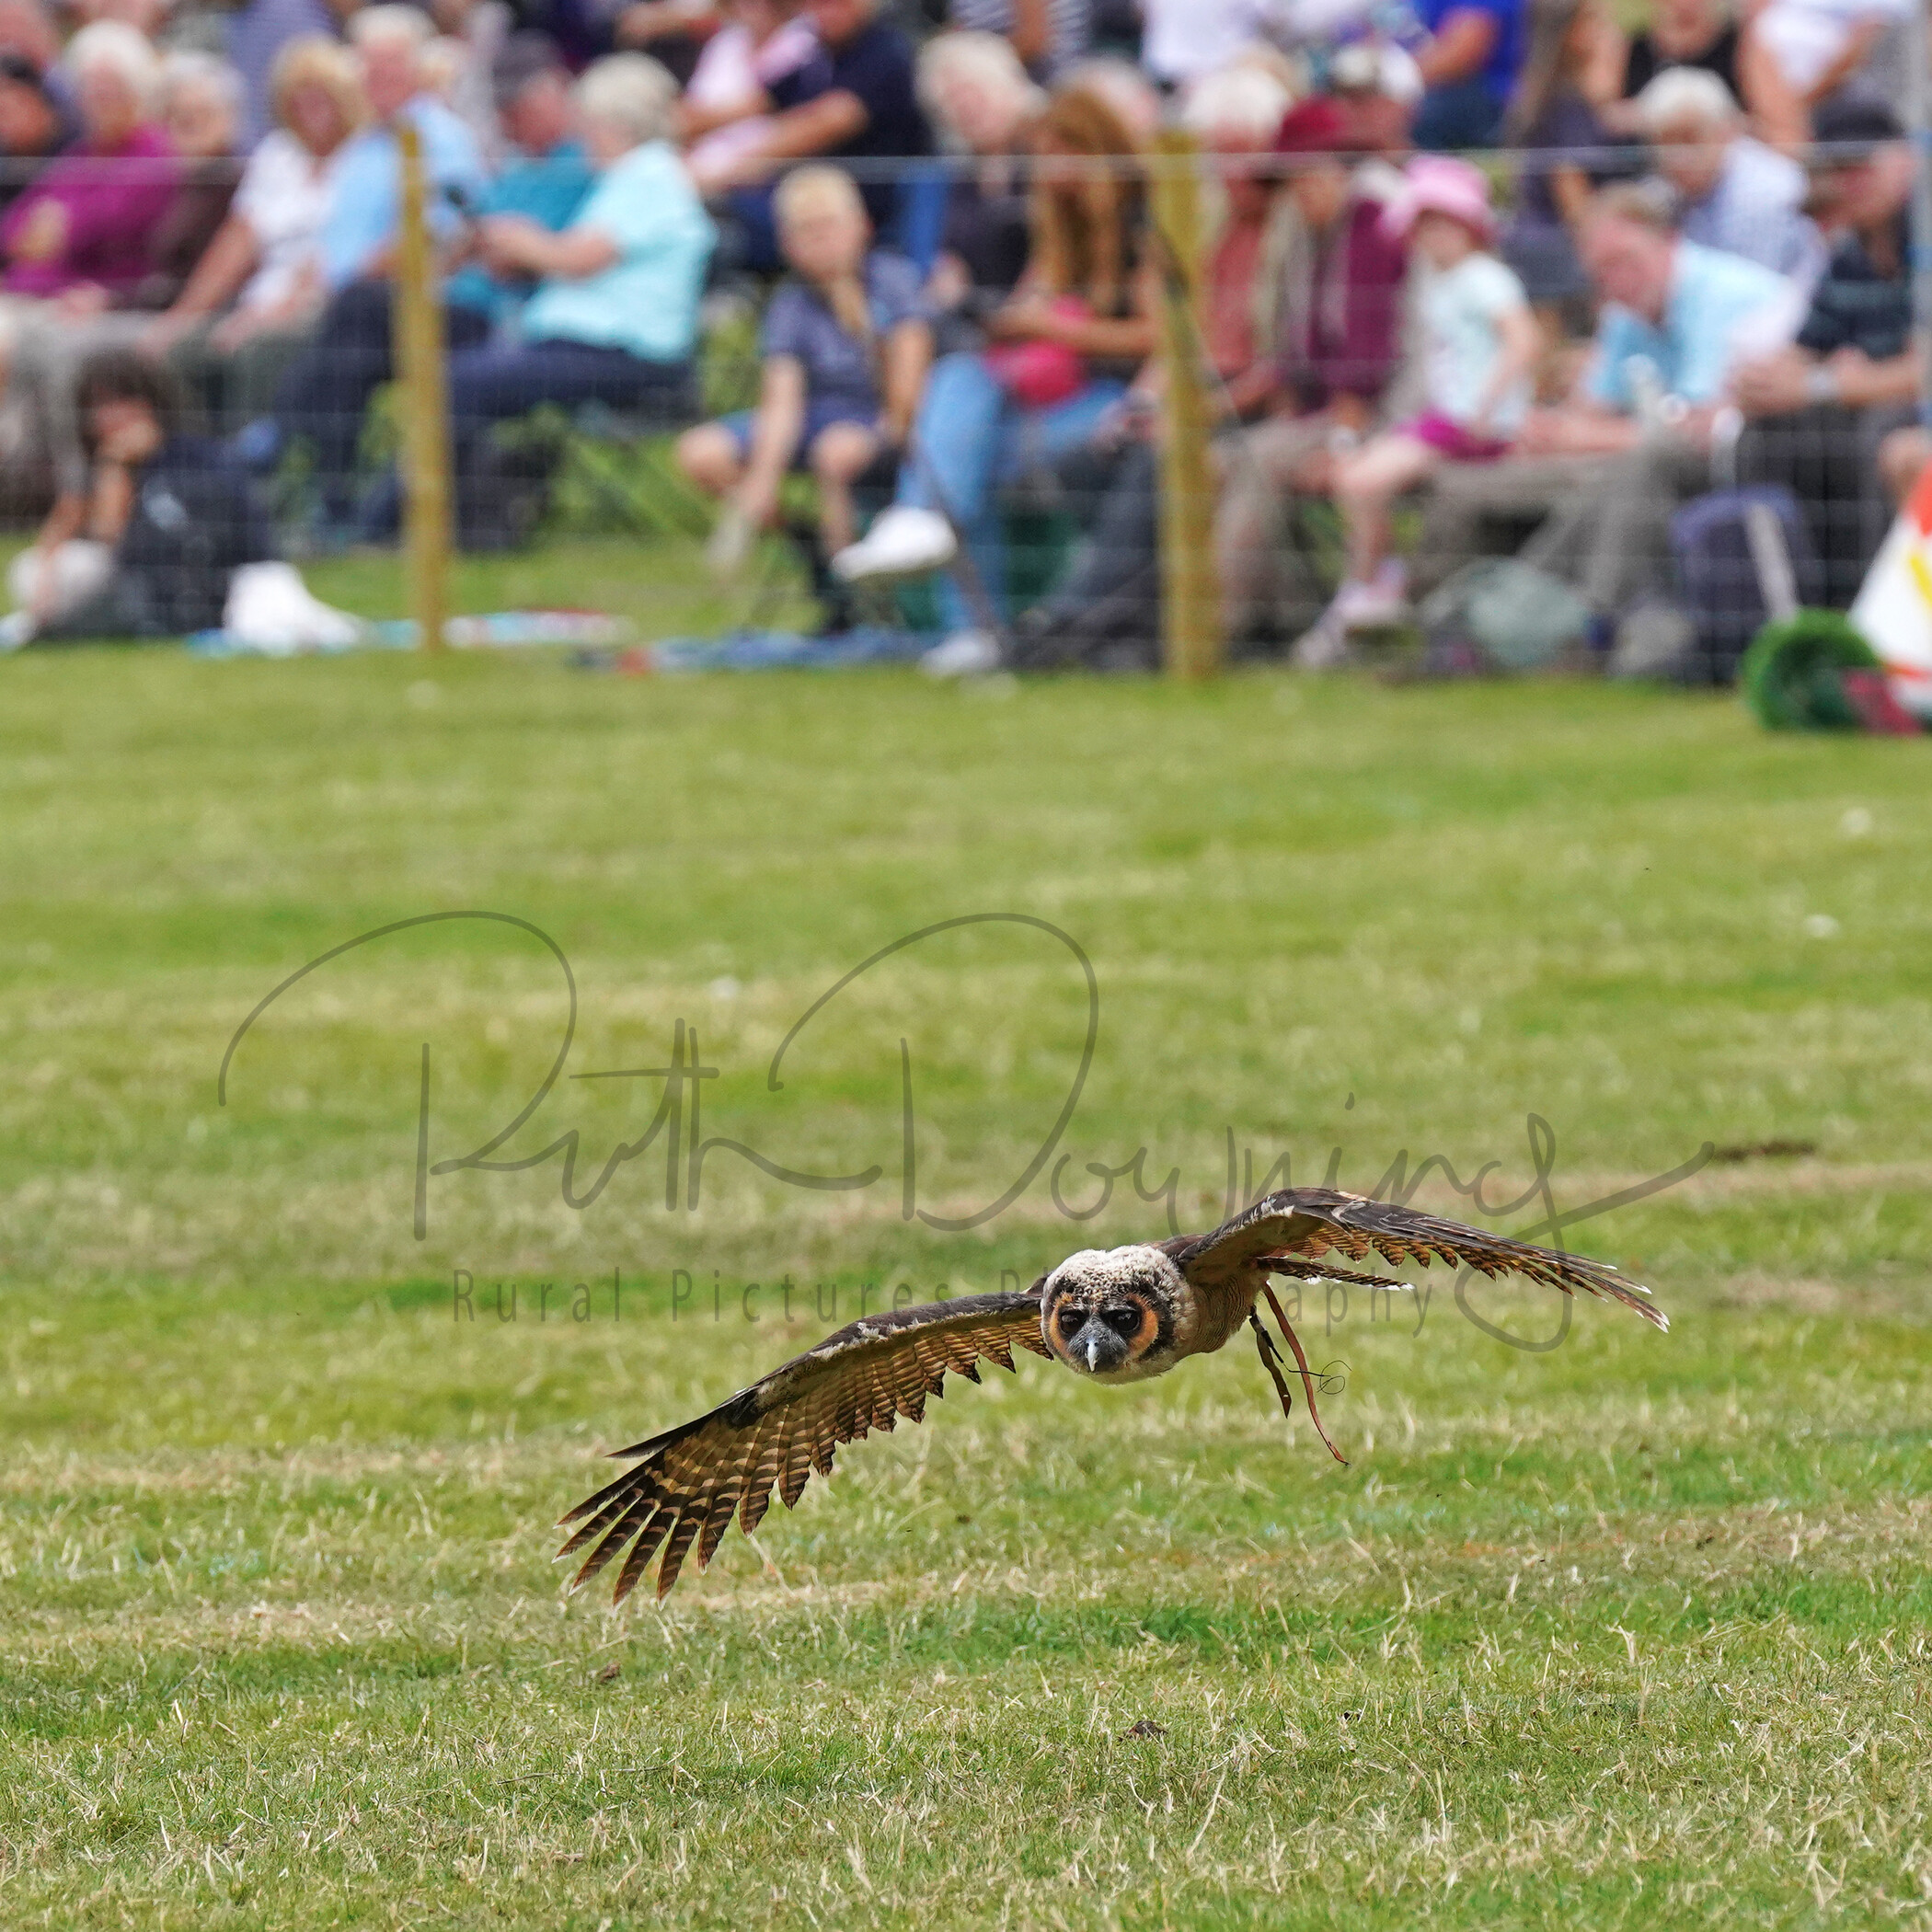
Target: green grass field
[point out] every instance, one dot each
(1629, 1631)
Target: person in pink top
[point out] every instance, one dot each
(86, 223)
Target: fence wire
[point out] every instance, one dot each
(1593, 407)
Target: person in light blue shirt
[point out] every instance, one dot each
(1677, 321)
(627, 273)
(356, 239)
(614, 316)
(1690, 313)
(322, 395)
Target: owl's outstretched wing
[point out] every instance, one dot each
(687, 1481)
(1314, 1220)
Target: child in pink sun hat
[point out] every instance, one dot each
(1478, 343)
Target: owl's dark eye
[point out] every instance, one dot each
(1121, 1320)
(1072, 1320)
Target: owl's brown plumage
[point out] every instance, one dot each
(1123, 1314)
(689, 1480)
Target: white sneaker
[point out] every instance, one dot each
(1323, 646)
(902, 542)
(1370, 607)
(966, 653)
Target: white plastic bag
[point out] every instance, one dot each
(270, 609)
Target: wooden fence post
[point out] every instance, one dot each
(1192, 644)
(417, 322)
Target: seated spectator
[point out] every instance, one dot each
(254, 297)
(1552, 118)
(257, 32)
(356, 240)
(1479, 345)
(201, 110)
(1697, 33)
(724, 113)
(1065, 349)
(1377, 85)
(1736, 194)
(1677, 322)
(460, 64)
(149, 549)
(547, 180)
(201, 100)
(1126, 88)
(82, 224)
(33, 128)
(27, 32)
(845, 352)
(321, 395)
(1468, 61)
(614, 316)
(1819, 46)
(1183, 39)
(1236, 114)
(1821, 410)
(856, 101)
(981, 100)
(672, 31)
(1331, 309)
(1105, 613)
(1047, 36)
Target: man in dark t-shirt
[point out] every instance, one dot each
(856, 100)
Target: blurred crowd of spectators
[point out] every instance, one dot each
(1692, 263)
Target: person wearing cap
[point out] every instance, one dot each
(1480, 342)
(1329, 314)
(1821, 409)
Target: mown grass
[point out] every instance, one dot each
(1631, 1631)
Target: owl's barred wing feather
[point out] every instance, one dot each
(1311, 1222)
(688, 1481)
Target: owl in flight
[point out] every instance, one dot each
(1119, 1315)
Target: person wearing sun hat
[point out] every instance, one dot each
(1478, 343)
(1331, 308)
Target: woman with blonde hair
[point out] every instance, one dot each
(1063, 351)
(845, 351)
(255, 295)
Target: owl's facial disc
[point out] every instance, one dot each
(1101, 1337)
(1105, 1312)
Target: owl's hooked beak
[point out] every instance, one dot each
(1097, 1341)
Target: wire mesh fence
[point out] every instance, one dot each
(1601, 408)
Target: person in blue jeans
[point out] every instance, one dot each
(1065, 349)
(843, 356)
(614, 316)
